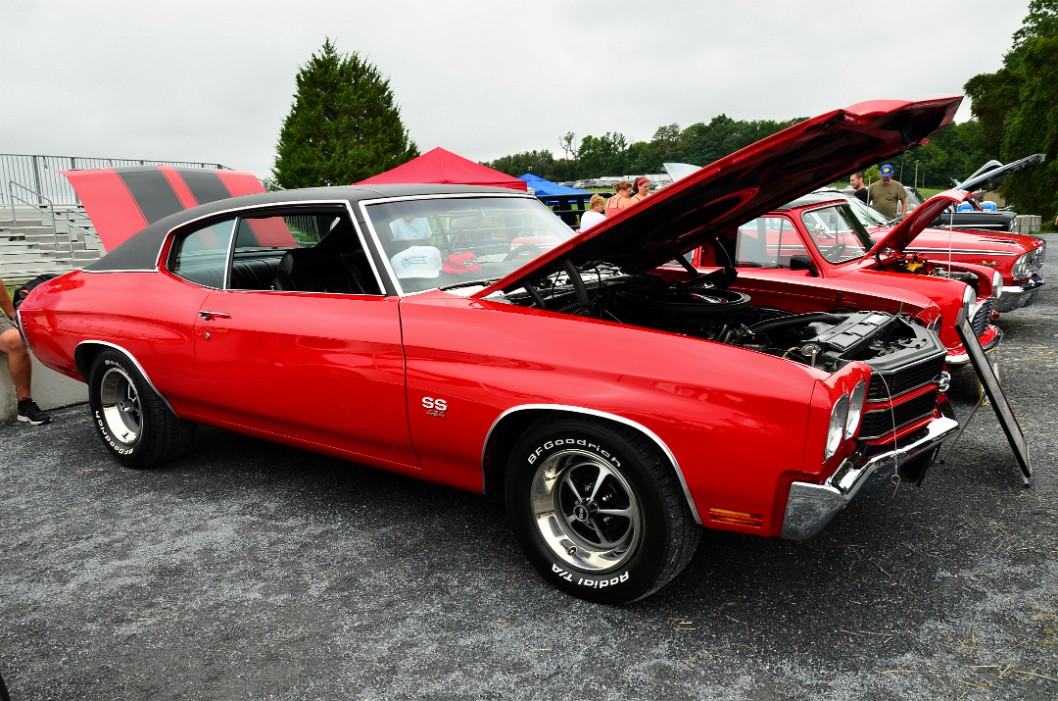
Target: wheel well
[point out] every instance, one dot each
(85, 356)
(512, 427)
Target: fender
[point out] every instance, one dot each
(82, 348)
(639, 428)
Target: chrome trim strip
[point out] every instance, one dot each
(603, 415)
(968, 251)
(810, 507)
(135, 362)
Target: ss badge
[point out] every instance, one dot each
(434, 407)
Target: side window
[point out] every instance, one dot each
(201, 256)
(290, 249)
(319, 251)
(767, 242)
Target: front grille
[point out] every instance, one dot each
(891, 383)
(880, 422)
(983, 316)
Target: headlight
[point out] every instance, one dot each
(997, 284)
(852, 421)
(836, 432)
(1022, 265)
(969, 297)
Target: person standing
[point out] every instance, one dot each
(859, 189)
(18, 363)
(620, 199)
(887, 196)
(642, 189)
(594, 214)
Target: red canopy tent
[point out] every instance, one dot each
(440, 166)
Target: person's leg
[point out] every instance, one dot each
(21, 368)
(18, 362)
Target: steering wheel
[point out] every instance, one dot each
(834, 253)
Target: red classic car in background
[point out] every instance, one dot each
(616, 404)
(1018, 258)
(818, 237)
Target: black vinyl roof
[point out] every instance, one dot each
(142, 250)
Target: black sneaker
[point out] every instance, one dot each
(29, 412)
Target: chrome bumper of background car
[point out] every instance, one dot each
(1018, 296)
(963, 358)
(810, 507)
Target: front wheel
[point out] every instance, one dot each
(134, 423)
(598, 512)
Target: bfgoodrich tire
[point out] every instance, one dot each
(133, 422)
(598, 511)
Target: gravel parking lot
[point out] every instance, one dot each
(253, 571)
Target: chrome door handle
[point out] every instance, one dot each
(209, 316)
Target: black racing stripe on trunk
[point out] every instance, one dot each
(152, 192)
(205, 185)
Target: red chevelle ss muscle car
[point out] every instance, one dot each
(464, 335)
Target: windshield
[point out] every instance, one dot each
(866, 215)
(837, 233)
(433, 242)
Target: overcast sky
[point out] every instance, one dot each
(212, 80)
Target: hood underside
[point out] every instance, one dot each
(746, 184)
(988, 175)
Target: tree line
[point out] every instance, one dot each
(955, 152)
(345, 126)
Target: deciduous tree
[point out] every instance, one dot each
(1017, 107)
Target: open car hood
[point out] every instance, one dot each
(122, 201)
(992, 172)
(901, 235)
(746, 184)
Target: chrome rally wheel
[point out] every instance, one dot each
(585, 511)
(120, 405)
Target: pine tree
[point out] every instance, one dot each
(343, 126)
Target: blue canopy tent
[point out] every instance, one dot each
(543, 187)
(567, 202)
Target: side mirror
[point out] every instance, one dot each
(803, 263)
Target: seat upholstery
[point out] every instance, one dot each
(321, 270)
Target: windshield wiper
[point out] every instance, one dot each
(483, 282)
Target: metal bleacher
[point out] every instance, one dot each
(43, 227)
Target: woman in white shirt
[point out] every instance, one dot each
(594, 214)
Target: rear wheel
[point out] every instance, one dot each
(597, 510)
(134, 423)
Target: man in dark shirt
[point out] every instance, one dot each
(856, 181)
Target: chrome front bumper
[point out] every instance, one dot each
(1018, 296)
(810, 507)
(956, 360)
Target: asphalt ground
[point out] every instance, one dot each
(254, 571)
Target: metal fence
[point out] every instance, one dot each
(42, 175)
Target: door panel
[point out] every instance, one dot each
(319, 368)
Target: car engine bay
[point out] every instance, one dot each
(706, 307)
